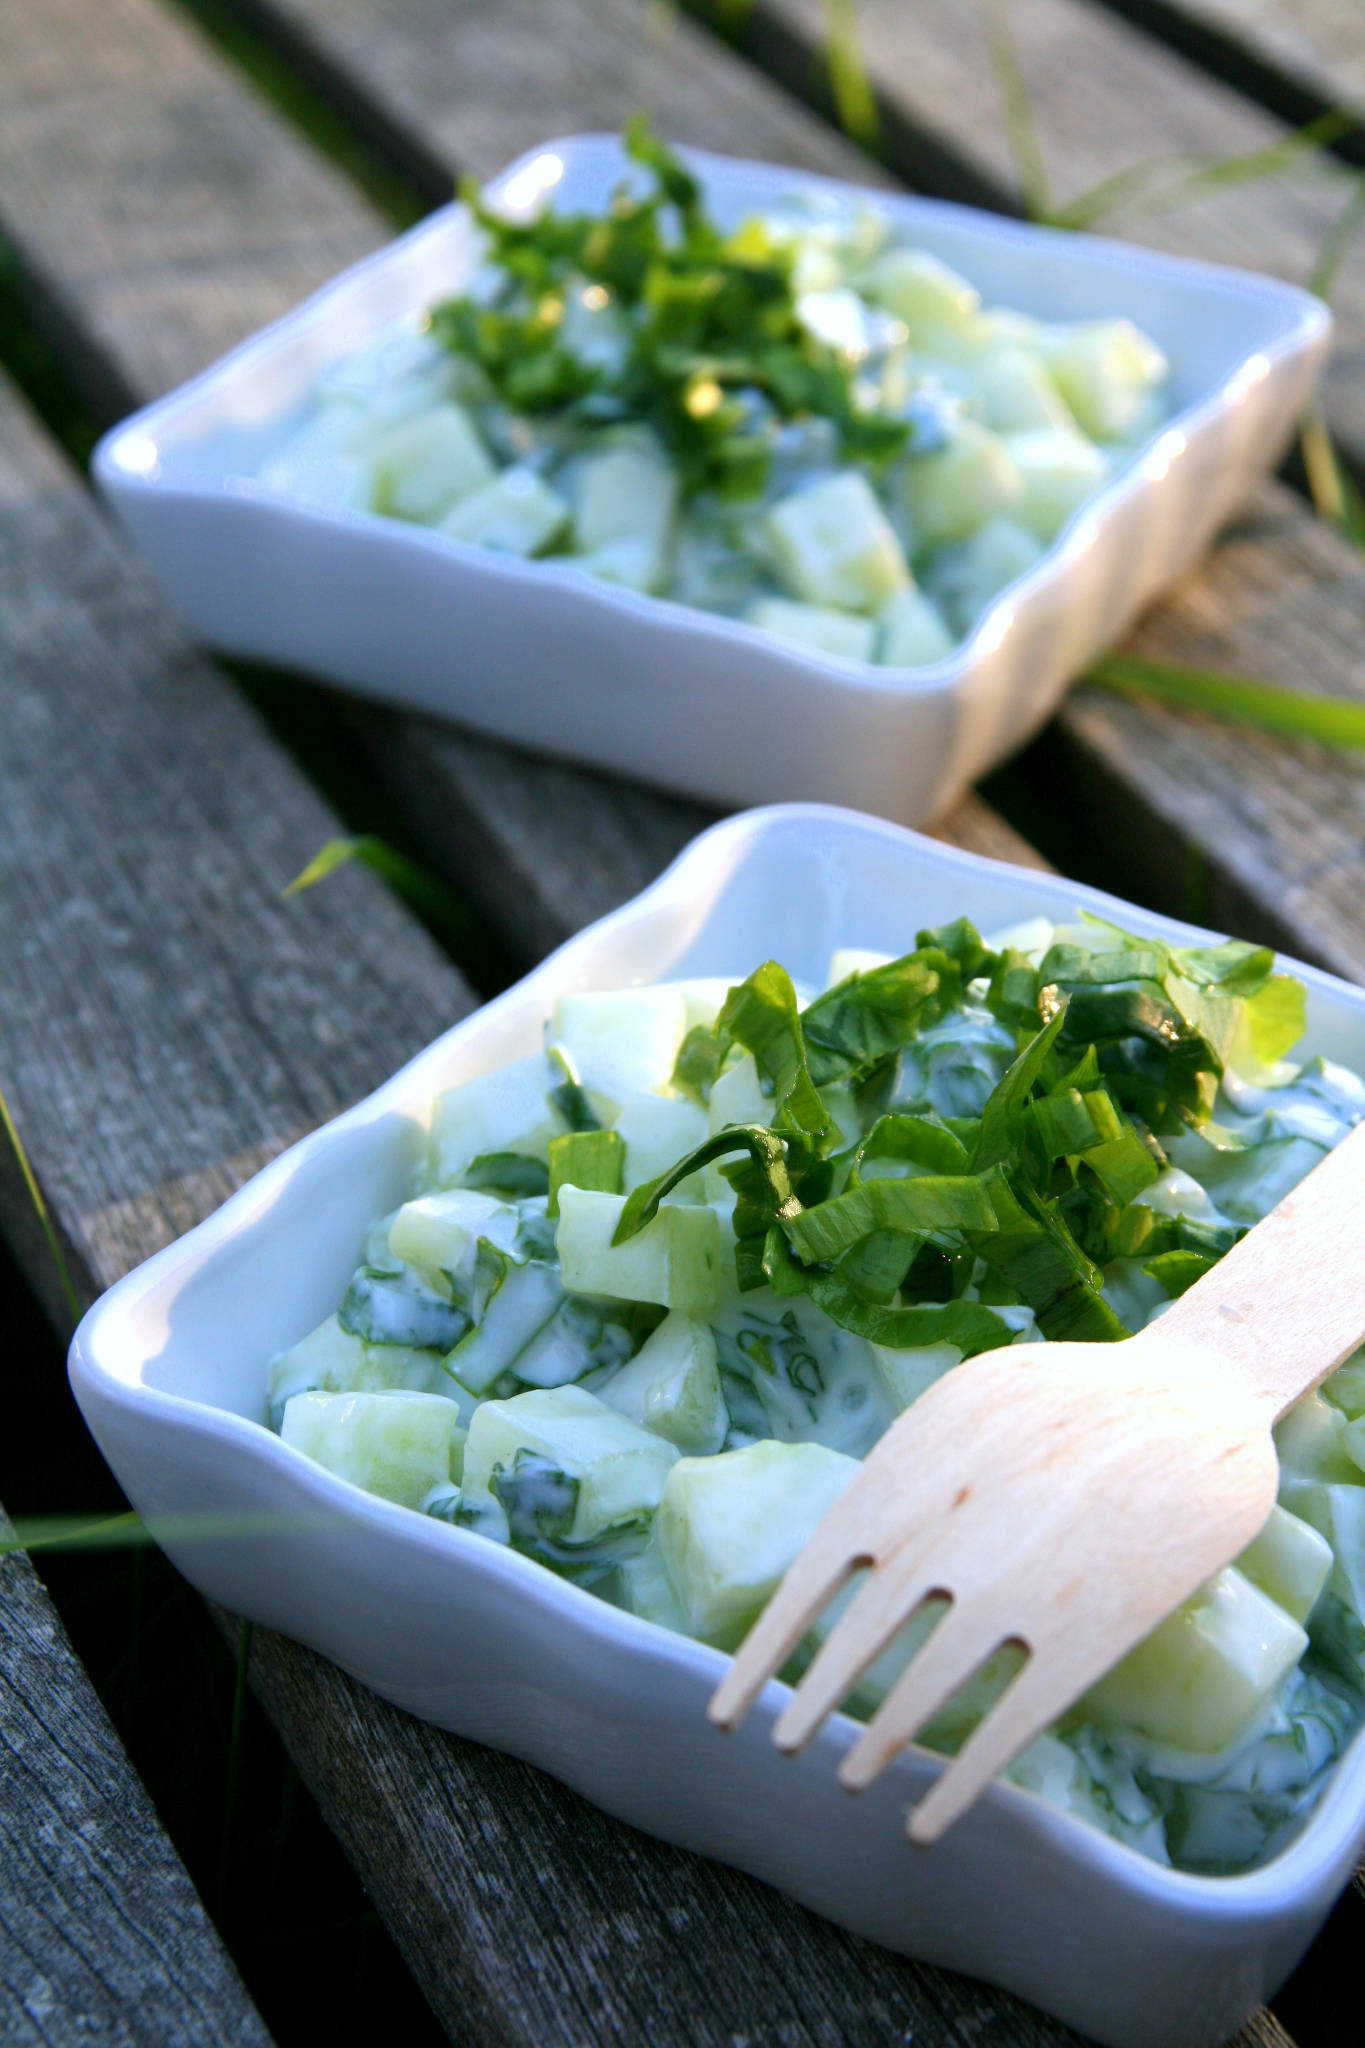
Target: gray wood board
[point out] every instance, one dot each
(102, 1936)
(167, 1021)
(103, 1940)
(1268, 825)
(1314, 50)
(1105, 96)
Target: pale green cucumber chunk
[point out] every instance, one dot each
(672, 1387)
(621, 1041)
(728, 1528)
(908, 1373)
(442, 1231)
(736, 1098)
(646, 1589)
(832, 544)
(1290, 1560)
(1105, 370)
(628, 495)
(334, 1361)
(429, 462)
(675, 1261)
(936, 304)
(505, 1111)
(619, 1469)
(912, 632)
(820, 630)
(520, 1306)
(1310, 1442)
(1205, 1672)
(517, 514)
(398, 1445)
(1016, 391)
(657, 1131)
(948, 494)
(630, 562)
(1060, 470)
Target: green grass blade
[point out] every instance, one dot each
(1337, 241)
(232, 1772)
(1188, 178)
(1332, 721)
(1016, 107)
(430, 898)
(1336, 495)
(855, 103)
(130, 1531)
(40, 1209)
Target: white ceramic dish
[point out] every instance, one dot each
(544, 654)
(170, 1371)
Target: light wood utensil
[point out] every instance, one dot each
(1065, 1498)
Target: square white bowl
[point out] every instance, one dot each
(170, 1371)
(544, 654)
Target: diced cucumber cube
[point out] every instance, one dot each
(505, 1111)
(621, 1041)
(619, 1469)
(966, 577)
(1105, 370)
(627, 493)
(729, 1527)
(832, 544)
(629, 562)
(1017, 392)
(1338, 1513)
(658, 1130)
(1202, 1674)
(517, 514)
(950, 492)
(936, 304)
(646, 1589)
(908, 1373)
(703, 998)
(583, 1335)
(442, 1231)
(846, 960)
(738, 1097)
(814, 627)
(333, 476)
(398, 1445)
(1289, 1560)
(672, 1386)
(1346, 1388)
(334, 1361)
(520, 1306)
(428, 463)
(676, 1260)
(1060, 470)
(912, 632)
(1309, 1442)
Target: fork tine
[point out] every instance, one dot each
(811, 1583)
(962, 1641)
(1040, 1692)
(892, 1596)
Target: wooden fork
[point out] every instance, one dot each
(1065, 1498)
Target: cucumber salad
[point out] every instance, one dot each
(663, 1284)
(805, 423)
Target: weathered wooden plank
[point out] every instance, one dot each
(166, 1020)
(1298, 56)
(1104, 96)
(102, 1935)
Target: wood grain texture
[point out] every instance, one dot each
(102, 1936)
(1314, 47)
(1106, 96)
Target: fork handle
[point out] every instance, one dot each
(1287, 1304)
